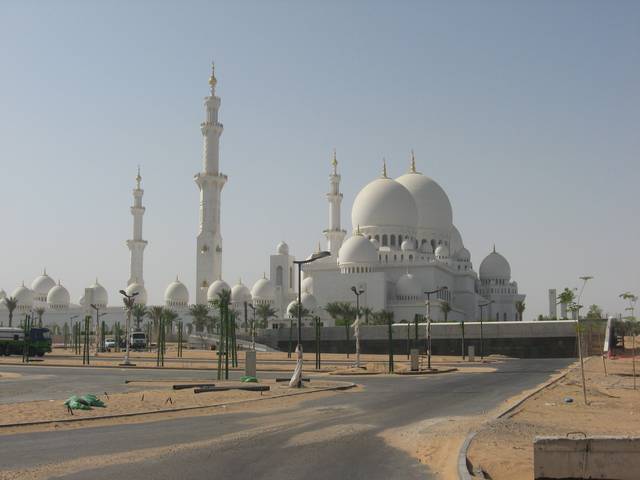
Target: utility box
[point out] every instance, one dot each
(472, 353)
(415, 359)
(250, 363)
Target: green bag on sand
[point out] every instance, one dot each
(92, 400)
(76, 403)
(248, 379)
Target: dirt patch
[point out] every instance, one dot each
(327, 434)
(504, 448)
(9, 376)
(157, 399)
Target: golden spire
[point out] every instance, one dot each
(334, 162)
(413, 162)
(212, 78)
(384, 167)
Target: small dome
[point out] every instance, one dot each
(58, 297)
(357, 250)
(291, 309)
(24, 297)
(100, 296)
(309, 301)
(408, 245)
(263, 290)
(307, 284)
(240, 293)
(282, 249)
(495, 266)
(455, 241)
(41, 286)
(375, 243)
(384, 203)
(176, 294)
(463, 255)
(215, 288)
(141, 298)
(409, 287)
(442, 251)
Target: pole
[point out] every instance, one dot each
(462, 327)
(428, 331)
(408, 339)
(481, 334)
(391, 366)
(127, 334)
(290, 336)
(299, 347)
(358, 329)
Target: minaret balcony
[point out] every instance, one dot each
(208, 127)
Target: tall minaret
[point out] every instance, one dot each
(137, 244)
(210, 182)
(335, 235)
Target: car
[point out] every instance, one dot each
(109, 343)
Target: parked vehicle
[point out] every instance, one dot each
(109, 343)
(12, 341)
(138, 341)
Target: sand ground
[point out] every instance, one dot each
(504, 448)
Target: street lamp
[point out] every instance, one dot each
(481, 330)
(97, 309)
(357, 292)
(428, 294)
(129, 301)
(312, 258)
(253, 325)
(577, 306)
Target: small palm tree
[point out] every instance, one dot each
(156, 314)
(11, 303)
(520, 306)
(293, 311)
(265, 312)
(139, 311)
(446, 308)
(169, 318)
(366, 311)
(40, 313)
(200, 315)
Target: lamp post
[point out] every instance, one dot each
(584, 279)
(129, 301)
(253, 326)
(97, 309)
(312, 258)
(357, 292)
(428, 294)
(481, 330)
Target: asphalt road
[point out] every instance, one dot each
(278, 445)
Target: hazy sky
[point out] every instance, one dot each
(527, 114)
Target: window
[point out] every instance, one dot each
(279, 275)
(385, 241)
(392, 241)
(497, 317)
(504, 316)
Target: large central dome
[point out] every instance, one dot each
(434, 208)
(384, 203)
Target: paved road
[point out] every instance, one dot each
(293, 445)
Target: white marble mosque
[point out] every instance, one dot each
(403, 242)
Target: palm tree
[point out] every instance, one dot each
(156, 314)
(200, 315)
(343, 313)
(40, 312)
(366, 311)
(566, 297)
(11, 303)
(169, 318)
(446, 308)
(139, 311)
(293, 311)
(520, 306)
(265, 312)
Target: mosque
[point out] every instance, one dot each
(403, 243)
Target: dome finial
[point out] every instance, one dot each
(358, 230)
(212, 79)
(44, 271)
(384, 167)
(264, 275)
(494, 248)
(413, 162)
(334, 162)
(138, 178)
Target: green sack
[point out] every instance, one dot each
(76, 403)
(92, 400)
(248, 379)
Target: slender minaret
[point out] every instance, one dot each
(335, 235)
(137, 244)
(210, 182)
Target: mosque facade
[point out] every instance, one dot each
(403, 243)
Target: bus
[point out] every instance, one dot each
(12, 341)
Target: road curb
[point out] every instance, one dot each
(427, 372)
(463, 462)
(346, 386)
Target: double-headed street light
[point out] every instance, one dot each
(253, 325)
(357, 292)
(312, 258)
(482, 307)
(428, 294)
(129, 301)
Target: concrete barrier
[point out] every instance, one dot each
(602, 457)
